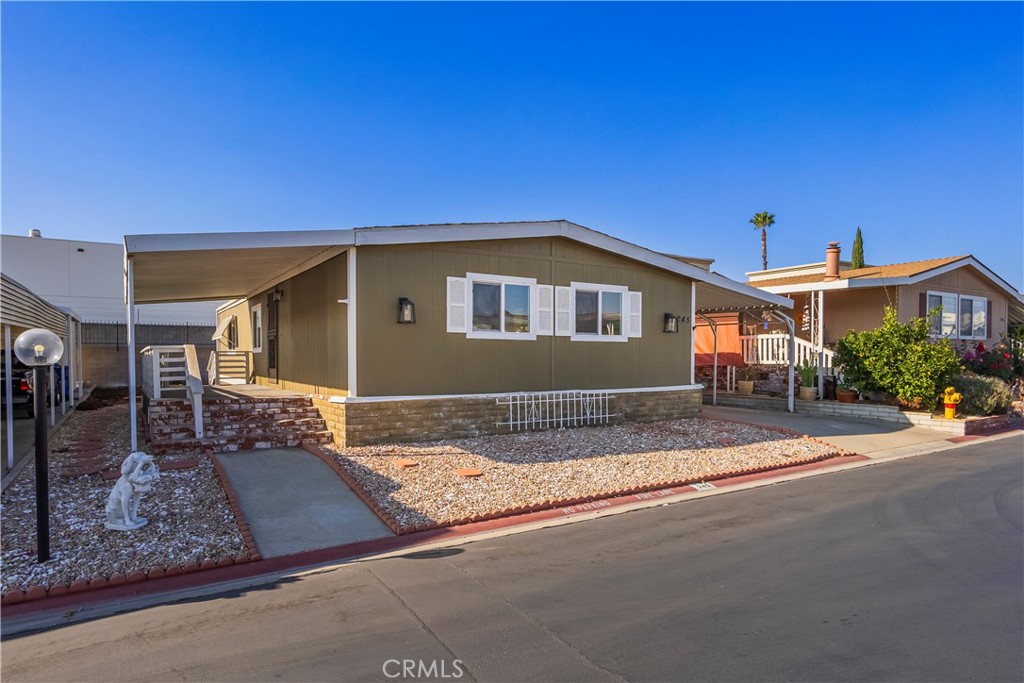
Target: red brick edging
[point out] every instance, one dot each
(15, 594)
(397, 528)
(236, 509)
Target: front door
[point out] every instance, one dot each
(272, 336)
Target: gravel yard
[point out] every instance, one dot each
(189, 516)
(532, 468)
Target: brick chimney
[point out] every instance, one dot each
(832, 262)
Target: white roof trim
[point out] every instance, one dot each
(418, 234)
(229, 304)
(896, 281)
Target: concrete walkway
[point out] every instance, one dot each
(294, 502)
(867, 437)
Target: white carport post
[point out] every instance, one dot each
(791, 403)
(714, 336)
(9, 396)
(130, 303)
(821, 343)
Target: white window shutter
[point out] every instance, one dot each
(457, 304)
(636, 313)
(545, 324)
(563, 311)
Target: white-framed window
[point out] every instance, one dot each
(973, 317)
(257, 328)
(960, 316)
(587, 311)
(484, 306)
(232, 341)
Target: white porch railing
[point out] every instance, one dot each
(230, 367)
(773, 349)
(174, 367)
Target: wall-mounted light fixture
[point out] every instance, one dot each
(671, 323)
(278, 295)
(406, 311)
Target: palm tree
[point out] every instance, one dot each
(762, 221)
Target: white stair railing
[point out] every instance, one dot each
(231, 367)
(194, 387)
(773, 349)
(163, 368)
(175, 367)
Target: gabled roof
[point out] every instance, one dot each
(908, 269)
(197, 266)
(893, 275)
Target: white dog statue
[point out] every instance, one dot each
(138, 474)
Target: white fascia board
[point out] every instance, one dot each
(631, 390)
(228, 304)
(212, 241)
(470, 232)
(970, 260)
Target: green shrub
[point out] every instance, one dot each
(898, 358)
(808, 372)
(982, 395)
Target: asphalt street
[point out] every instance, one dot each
(908, 570)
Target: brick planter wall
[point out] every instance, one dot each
(359, 423)
(868, 411)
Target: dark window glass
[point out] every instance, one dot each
(486, 307)
(586, 313)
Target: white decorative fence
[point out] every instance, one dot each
(169, 367)
(556, 409)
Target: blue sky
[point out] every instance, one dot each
(668, 125)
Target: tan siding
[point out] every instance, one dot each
(312, 331)
(241, 312)
(855, 309)
(959, 281)
(425, 359)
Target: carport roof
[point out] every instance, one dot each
(204, 266)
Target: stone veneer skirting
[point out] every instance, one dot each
(368, 422)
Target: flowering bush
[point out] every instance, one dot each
(994, 362)
(982, 395)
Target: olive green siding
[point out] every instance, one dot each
(312, 331)
(424, 358)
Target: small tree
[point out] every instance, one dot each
(857, 258)
(762, 221)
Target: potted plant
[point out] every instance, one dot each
(808, 373)
(745, 379)
(950, 398)
(845, 392)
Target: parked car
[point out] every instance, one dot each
(22, 391)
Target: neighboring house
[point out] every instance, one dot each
(974, 304)
(88, 277)
(436, 330)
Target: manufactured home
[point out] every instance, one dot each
(424, 332)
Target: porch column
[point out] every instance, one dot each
(8, 395)
(821, 343)
(791, 404)
(130, 302)
(693, 330)
(351, 295)
(714, 335)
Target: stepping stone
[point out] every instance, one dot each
(178, 464)
(726, 441)
(406, 462)
(110, 475)
(468, 472)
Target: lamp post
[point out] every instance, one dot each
(39, 349)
